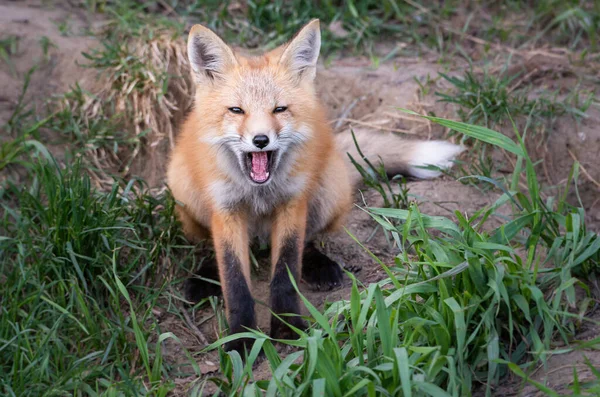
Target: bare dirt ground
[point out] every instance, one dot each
(56, 71)
(357, 95)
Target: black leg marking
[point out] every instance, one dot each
(284, 298)
(196, 289)
(319, 270)
(240, 304)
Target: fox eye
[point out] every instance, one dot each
(280, 109)
(236, 110)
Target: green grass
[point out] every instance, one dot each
(9, 46)
(269, 23)
(571, 22)
(495, 100)
(83, 271)
(487, 99)
(79, 282)
(46, 44)
(360, 24)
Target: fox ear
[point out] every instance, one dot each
(301, 54)
(209, 56)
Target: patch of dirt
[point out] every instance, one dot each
(360, 96)
(580, 142)
(356, 96)
(558, 371)
(33, 23)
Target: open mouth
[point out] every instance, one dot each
(259, 165)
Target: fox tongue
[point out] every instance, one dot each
(260, 161)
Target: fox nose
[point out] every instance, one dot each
(260, 141)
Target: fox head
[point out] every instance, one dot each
(255, 110)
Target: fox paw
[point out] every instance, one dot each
(319, 271)
(195, 289)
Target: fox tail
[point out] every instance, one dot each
(398, 155)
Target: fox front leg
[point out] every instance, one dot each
(230, 235)
(287, 243)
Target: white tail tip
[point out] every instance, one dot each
(437, 153)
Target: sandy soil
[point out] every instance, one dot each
(356, 95)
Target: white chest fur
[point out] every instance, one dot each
(260, 200)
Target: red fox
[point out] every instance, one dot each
(256, 158)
